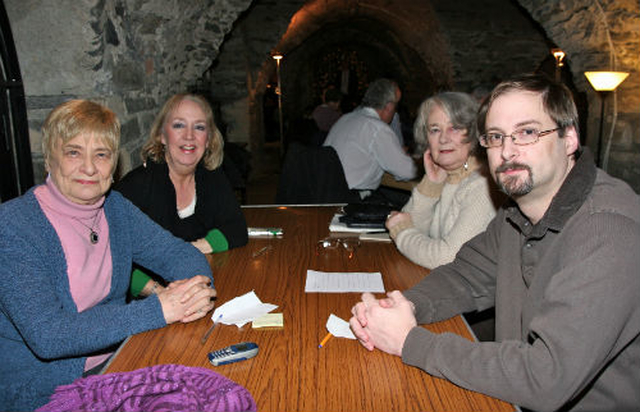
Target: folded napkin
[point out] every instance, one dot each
(241, 310)
(339, 327)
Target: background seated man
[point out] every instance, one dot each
(366, 145)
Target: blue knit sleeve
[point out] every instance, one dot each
(44, 340)
(37, 305)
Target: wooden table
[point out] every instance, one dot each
(290, 372)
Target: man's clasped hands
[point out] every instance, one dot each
(383, 323)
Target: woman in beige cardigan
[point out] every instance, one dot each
(454, 201)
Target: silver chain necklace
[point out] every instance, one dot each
(93, 235)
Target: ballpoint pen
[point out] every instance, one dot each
(261, 251)
(208, 332)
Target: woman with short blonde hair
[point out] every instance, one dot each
(66, 250)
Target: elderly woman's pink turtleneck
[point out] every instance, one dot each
(89, 266)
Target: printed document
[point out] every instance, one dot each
(338, 282)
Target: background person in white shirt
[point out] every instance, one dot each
(366, 145)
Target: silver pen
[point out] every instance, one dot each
(208, 332)
(261, 251)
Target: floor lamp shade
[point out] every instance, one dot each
(605, 81)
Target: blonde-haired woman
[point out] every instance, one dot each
(454, 201)
(181, 185)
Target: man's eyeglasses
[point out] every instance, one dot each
(520, 137)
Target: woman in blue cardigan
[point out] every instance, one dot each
(66, 252)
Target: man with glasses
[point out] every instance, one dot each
(560, 263)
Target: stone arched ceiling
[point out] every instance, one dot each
(426, 46)
(406, 33)
(384, 38)
(373, 44)
(447, 39)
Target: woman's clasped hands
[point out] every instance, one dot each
(383, 323)
(396, 218)
(187, 300)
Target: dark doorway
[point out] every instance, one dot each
(16, 169)
(271, 114)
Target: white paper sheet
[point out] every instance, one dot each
(375, 237)
(339, 327)
(241, 310)
(339, 282)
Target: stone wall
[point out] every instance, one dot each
(602, 35)
(128, 54)
(488, 46)
(132, 54)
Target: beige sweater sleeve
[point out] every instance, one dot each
(420, 206)
(441, 226)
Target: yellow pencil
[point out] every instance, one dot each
(324, 341)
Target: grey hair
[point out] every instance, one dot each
(380, 93)
(461, 109)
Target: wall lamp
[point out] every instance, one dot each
(559, 56)
(604, 82)
(277, 57)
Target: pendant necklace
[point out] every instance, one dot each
(93, 235)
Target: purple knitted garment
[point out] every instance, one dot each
(170, 388)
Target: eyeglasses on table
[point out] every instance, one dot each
(350, 244)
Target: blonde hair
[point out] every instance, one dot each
(75, 117)
(154, 149)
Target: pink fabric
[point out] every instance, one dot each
(89, 266)
(158, 388)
